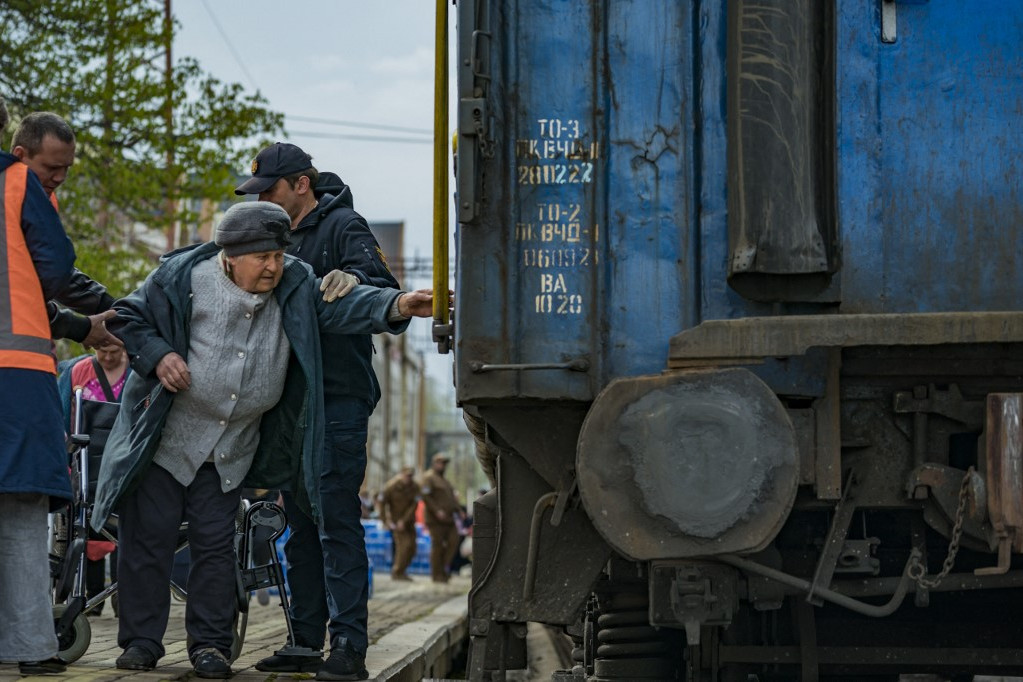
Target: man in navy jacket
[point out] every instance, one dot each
(328, 567)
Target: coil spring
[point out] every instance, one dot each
(627, 646)
(626, 633)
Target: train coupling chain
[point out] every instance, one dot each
(917, 570)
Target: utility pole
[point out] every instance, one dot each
(421, 417)
(404, 422)
(168, 33)
(387, 391)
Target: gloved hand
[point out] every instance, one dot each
(337, 284)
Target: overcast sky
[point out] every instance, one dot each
(360, 61)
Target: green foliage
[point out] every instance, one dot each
(101, 64)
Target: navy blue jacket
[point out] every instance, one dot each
(32, 454)
(335, 237)
(154, 321)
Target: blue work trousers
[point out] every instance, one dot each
(327, 565)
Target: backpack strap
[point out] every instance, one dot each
(101, 376)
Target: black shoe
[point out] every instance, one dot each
(344, 663)
(285, 663)
(136, 658)
(212, 664)
(51, 666)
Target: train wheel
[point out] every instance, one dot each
(75, 641)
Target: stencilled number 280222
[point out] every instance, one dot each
(571, 173)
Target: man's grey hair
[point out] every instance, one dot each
(4, 118)
(38, 125)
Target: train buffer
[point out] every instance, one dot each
(415, 629)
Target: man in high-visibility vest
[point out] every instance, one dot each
(36, 260)
(46, 144)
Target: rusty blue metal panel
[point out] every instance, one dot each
(529, 258)
(715, 299)
(652, 249)
(929, 156)
(602, 222)
(582, 249)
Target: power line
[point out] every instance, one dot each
(360, 124)
(227, 41)
(313, 119)
(367, 138)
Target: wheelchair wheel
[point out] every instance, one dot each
(241, 620)
(75, 642)
(241, 616)
(238, 627)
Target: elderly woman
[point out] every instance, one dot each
(227, 391)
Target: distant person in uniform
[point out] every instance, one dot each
(441, 510)
(398, 509)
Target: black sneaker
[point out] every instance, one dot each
(284, 663)
(211, 664)
(51, 666)
(136, 658)
(344, 663)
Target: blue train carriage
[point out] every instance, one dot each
(738, 318)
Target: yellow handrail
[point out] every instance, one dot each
(440, 168)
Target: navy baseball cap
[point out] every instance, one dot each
(272, 164)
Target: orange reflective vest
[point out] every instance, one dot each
(24, 327)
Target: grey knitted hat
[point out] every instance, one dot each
(253, 226)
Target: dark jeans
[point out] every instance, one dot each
(327, 566)
(147, 536)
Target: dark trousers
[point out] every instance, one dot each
(327, 565)
(147, 536)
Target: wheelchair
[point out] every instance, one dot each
(91, 423)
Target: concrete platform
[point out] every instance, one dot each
(411, 627)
